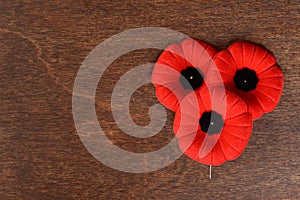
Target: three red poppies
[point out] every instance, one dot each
(216, 95)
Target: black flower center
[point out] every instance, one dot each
(191, 77)
(211, 122)
(245, 79)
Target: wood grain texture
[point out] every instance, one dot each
(43, 44)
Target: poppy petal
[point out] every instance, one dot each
(232, 146)
(225, 62)
(268, 97)
(273, 72)
(208, 144)
(169, 59)
(239, 121)
(269, 88)
(164, 75)
(237, 53)
(218, 156)
(266, 102)
(249, 50)
(241, 132)
(166, 97)
(186, 136)
(262, 59)
(177, 53)
(205, 58)
(253, 105)
(198, 53)
(187, 47)
(235, 135)
(220, 79)
(236, 107)
(193, 150)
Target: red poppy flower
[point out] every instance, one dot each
(210, 133)
(251, 72)
(180, 69)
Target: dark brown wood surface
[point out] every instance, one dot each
(43, 44)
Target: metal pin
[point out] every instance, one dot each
(209, 171)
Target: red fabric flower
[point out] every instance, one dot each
(208, 131)
(251, 72)
(180, 69)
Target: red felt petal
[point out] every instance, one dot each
(208, 145)
(193, 150)
(275, 84)
(222, 71)
(187, 116)
(252, 56)
(248, 53)
(233, 146)
(235, 135)
(267, 102)
(273, 72)
(242, 131)
(215, 158)
(205, 59)
(225, 62)
(238, 121)
(168, 59)
(269, 96)
(167, 97)
(177, 53)
(188, 142)
(208, 48)
(202, 102)
(186, 134)
(199, 54)
(218, 156)
(212, 98)
(262, 59)
(220, 79)
(235, 106)
(164, 75)
(168, 88)
(237, 52)
(253, 105)
(219, 98)
(187, 47)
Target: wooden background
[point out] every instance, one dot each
(43, 44)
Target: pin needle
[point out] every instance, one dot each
(209, 171)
